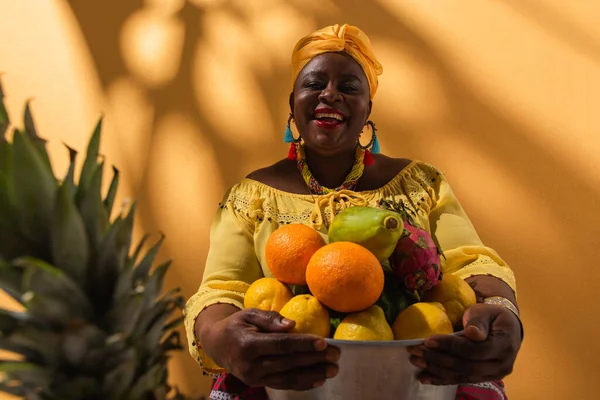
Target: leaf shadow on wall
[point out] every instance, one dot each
(565, 196)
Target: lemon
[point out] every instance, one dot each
(310, 315)
(421, 320)
(454, 294)
(267, 294)
(369, 324)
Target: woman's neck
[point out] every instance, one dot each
(332, 171)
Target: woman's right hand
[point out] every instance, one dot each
(255, 347)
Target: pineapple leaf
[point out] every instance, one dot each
(77, 387)
(126, 313)
(8, 238)
(46, 280)
(160, 351)
(79, 341)
(132, 260)
(173, 324)
(47, 308)
(111, 255)
(91, 159)
(16, 390)
(70, 249)
(11, 320)
(156, 331)
(125, 281)
(37, 346)
(4, 119)
(70, 177)
(10, 280)
(142, 270)
(172, 342)
(163, 307)
(154, 284)
(6, 182)
(28, 122)
(145, 384)
(119, 379)
(124, 237)
(109, 201)
(117, 350)
(29, 376)
(91, 208)
(30, 354)
(39, 143)
(35, 190)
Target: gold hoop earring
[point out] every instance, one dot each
(373, 145)
(289, 136)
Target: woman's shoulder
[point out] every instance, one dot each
(389, 174)
(386, 170)
(281, 176)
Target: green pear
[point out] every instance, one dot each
(373, 228)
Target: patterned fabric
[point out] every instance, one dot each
(482, 391)
(228, 387)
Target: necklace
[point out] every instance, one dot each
(315, 187)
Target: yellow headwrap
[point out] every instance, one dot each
(336, 38)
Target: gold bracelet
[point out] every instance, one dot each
(504, 302)
(509, 305)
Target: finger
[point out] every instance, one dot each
(439, 363)
(264, 344)
(274, 364)
(478, 319)
(302, 378)
(268, 321)
(417, 351)
(491, 349)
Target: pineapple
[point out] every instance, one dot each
(94, 324)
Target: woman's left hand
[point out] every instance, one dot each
(486, 352)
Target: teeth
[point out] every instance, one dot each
(325, 115)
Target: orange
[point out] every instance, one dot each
(345, 276)
(288, 251)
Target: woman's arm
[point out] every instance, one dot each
(488, 286)
(492, 332)
(253, 345)
(208, 318)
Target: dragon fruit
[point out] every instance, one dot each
(416, 259)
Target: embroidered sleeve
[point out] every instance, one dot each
(464, 251)
(231, 266)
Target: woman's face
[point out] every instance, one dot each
(331, 103)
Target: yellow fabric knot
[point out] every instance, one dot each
(332, 203)
(332, 39)
(255, 211)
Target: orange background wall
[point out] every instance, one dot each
(501, 95)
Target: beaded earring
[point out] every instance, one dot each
(372, 147)
(289, 138)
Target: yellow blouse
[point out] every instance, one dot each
(251, 211)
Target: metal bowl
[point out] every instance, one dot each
(372, 370)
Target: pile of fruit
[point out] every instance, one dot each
(378, 278)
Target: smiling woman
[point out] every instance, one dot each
(330, 126)
(334, 80)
